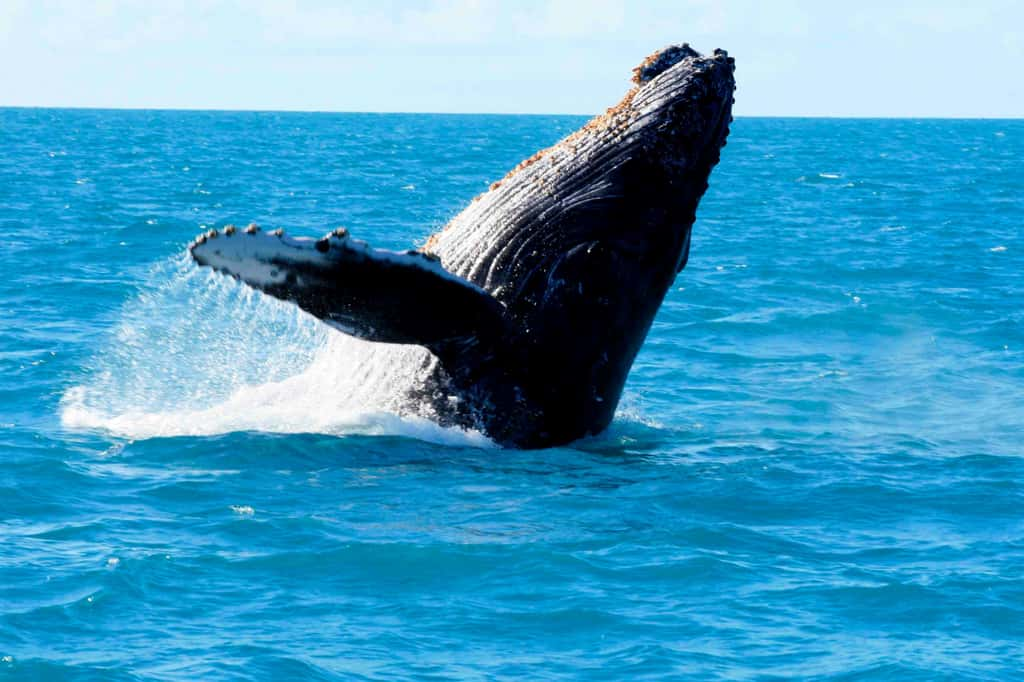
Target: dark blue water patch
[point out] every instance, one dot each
(816, 470)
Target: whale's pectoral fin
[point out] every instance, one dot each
(377, 295)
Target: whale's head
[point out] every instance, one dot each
(628, 219)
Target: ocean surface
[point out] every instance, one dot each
(816, 471)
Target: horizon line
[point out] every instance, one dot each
(930, 117)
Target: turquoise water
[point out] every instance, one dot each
(817, 470)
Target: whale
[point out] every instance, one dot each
(534, 301)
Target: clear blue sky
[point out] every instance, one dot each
(794, 57)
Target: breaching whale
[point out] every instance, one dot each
(536, 298)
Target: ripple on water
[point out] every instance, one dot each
(816, 470)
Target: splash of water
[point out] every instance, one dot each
(198, 354)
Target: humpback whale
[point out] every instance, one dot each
(536, 298)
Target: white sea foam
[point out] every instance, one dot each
(198, 354)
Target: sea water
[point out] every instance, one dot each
(816, 471)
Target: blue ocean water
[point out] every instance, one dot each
(817, 470)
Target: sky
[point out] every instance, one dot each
(793, 57)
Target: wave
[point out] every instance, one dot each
(197, 354)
